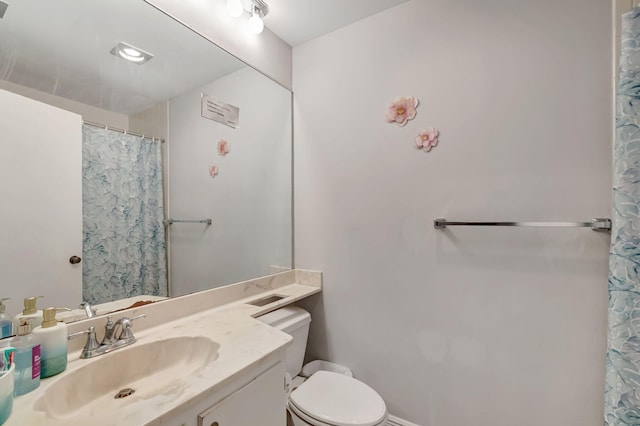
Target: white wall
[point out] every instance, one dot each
(482, 326)
(41, 193)
(249, 200)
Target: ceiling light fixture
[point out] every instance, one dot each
(255, 23)
(131, 53)
(234, 7)
(258, 9)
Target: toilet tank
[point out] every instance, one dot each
(295, 322)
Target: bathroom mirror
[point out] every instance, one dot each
(64, 53)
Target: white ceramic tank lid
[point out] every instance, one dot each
(286, 319)
(339, 400)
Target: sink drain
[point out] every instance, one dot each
(124, 393)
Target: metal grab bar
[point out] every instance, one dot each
(172, 221)
(597, 224)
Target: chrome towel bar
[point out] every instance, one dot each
(598, 224)
(172, 221)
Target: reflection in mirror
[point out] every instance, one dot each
(112, 161)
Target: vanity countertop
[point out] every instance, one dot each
(244, 342)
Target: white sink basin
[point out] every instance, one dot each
(150, 369)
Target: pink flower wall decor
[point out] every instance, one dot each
(223, 147)
(213, 170)
(427, 139)
(401, 110)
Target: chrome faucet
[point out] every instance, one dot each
(109, 342)
(109, 333)
(88, 309)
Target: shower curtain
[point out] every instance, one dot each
(123, 246)
(622, 387)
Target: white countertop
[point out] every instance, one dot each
(244, 342)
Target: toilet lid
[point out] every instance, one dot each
(339, 400)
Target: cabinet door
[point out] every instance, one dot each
(41, 193)
(260, 403)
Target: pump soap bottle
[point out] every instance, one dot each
(30, 314)
(27, 360)
(6, 325)
(52, 336)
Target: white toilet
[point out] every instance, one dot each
(326, 398)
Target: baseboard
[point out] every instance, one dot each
(395, 421)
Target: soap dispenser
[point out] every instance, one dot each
(27, 360)
(6, 325)
(52, 336)
(30, 314)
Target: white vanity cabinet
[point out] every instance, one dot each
(259, 402)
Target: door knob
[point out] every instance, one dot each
(74, 260)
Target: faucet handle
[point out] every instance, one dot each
(91, 345)
(126, 336)
(89, 310)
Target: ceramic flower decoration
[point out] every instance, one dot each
(223, 147)
(401, 110)
(213, 170)
(427, 139)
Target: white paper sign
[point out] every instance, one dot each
(216, 110)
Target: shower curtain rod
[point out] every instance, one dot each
(598, 224)
(126, 132)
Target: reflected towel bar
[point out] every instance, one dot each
(598, 224)
(172, 221)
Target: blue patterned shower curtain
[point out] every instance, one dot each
(622, 387)
(122, 200)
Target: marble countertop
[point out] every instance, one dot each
(244, 342)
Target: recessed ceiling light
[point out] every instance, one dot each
(131, 53)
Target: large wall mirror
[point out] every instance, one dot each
(110, 160)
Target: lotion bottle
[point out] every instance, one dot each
(6, 326)
(52, 336)
(27, 360)
(30, 314)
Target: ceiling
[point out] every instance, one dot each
(298, 21)
(61, 47)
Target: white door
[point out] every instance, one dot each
(40, 203)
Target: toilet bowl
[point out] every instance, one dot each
(326, 398)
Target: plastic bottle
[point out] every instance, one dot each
(52, 336)
(26, 359)
(6, 355)
(6, 326)
(30, 314)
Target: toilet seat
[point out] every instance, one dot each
(302, 416)
(328, 398)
